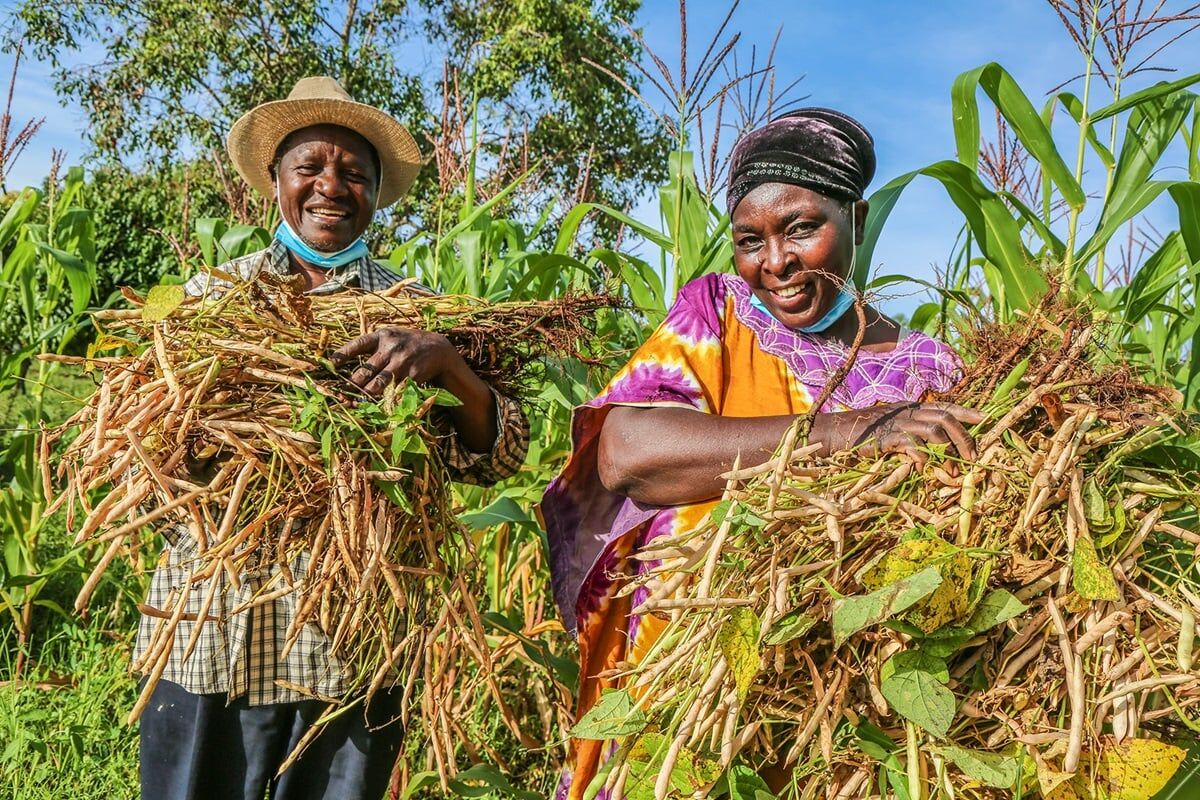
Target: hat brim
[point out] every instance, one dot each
(255, 137)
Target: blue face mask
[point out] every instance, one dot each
(841, 305)
(341, 258)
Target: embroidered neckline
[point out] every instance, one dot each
(812, 358)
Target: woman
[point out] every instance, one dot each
(737, 359)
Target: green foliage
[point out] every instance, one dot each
(852, 614)
(1021, 250)
(174, 76)
(991, 769)
(914, 683)
(143, 217)
(47, 276)
(614, 715)
(59, 726)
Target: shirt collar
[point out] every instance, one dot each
(344, 277)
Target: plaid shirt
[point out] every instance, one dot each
(240, 654)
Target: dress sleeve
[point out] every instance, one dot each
(680, 365)
(507, 453)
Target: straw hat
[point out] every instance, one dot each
(322, 101)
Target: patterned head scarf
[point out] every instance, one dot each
(817, 148)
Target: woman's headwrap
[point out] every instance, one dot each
(817, 148)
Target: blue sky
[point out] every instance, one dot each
(890, 64)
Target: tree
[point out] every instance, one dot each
(175, 75)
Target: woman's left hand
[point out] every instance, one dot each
(393, 354)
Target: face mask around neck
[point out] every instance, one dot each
(298, 247)
(286, 236)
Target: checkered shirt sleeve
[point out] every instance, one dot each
(506, 456)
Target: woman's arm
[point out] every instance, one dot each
(668, 456)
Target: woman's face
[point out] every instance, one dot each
(327, 186)
(794, 247)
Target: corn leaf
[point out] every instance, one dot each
(1022, 118)
(991, 223)
(1149, 93)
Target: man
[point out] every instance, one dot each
(220, 723)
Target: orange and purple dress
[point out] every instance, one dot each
(717, 352)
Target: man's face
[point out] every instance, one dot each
(327, 184)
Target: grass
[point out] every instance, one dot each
(62, 728)
(66, 390)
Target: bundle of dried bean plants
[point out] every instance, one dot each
(1020, 625)
(223, 424)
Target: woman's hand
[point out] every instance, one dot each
(393, 354)
(899, 428)
(667, 456)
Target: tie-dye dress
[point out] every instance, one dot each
(719, 354)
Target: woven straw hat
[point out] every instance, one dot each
(322, 101)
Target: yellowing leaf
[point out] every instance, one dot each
(738, 640)
(1137, 769)
(1092, 579)
(161, 301)
(945, 605)
(691, 773)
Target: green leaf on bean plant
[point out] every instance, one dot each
(913, 683)
(614, 715)
(852, 614)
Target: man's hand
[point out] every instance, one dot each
(393, 354)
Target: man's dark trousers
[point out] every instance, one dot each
(200, 747)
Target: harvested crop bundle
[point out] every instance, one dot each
(1020, 625)
(223, 425)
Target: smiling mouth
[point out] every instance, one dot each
(788, 292)
(328, 214)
